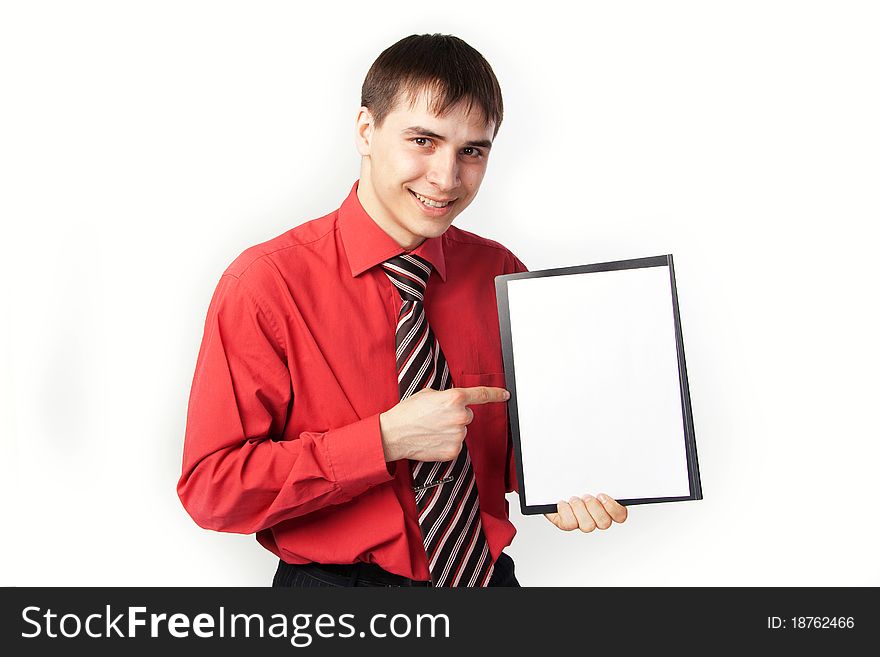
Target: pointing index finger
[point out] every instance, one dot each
(484, 395)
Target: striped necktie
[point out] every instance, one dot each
(446, 492)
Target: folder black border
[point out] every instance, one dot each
(696, 491)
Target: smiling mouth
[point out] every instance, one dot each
(431, 203)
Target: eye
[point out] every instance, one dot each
(421, 141)
(472, 152)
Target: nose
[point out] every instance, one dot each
(443, 171)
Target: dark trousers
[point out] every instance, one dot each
(312, 575)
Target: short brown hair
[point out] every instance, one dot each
(441, 63)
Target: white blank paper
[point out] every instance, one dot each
(597, 383)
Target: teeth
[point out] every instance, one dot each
(430, 203)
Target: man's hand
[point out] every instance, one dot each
(586, 513)
(431, 424)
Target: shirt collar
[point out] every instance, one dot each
(366, 244)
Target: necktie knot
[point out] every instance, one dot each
(409, 273)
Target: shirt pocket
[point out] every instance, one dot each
(487, 439)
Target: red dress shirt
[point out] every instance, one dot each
(296, 364)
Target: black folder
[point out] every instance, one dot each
(594, 362)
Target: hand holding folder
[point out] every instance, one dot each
(587, 513)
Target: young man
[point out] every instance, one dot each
(348, 401)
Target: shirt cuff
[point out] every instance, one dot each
(357, 456)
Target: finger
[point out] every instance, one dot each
(584, 519)
(556, 519)
(600, 515)
(567, 520)
(553, 517)
(483, 395)
(616, 510)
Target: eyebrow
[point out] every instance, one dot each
(424, 132)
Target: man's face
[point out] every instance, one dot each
(419, 170)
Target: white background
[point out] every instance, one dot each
(145, 144)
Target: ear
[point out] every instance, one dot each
(364, 127)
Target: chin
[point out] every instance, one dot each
(433, 229)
